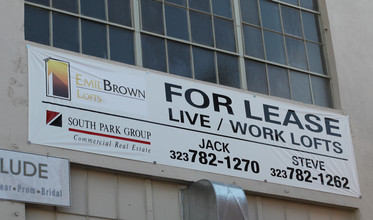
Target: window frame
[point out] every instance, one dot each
(238, 28)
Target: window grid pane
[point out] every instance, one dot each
(154, 52)
(119, 11)
(65, 32)
(291, 40)
(67, 5)
(121, 45)
(72, 33)
(93, 8)
(37, 25)
(94, 39)
(197, 38)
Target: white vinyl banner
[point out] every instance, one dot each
(88, 105)
(34, 178)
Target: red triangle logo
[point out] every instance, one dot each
(51, 115)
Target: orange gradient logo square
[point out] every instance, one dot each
(58, 78)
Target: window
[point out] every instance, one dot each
(101, 28)
(284, 50)
(281, 53)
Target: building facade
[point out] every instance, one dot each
(311, 58)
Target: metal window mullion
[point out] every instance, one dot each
(107, 31)
(192, 61)
(264, 47)
(286, 51)
(239, 42)
(290, 86)
(283, 35)
(288, 67)
(166, 55)
(50, 24)
(296, 6)
(190, 43)
(79, 15)
(216, 67)
(262, 31)
(80, 29)
(311, 89)
(51, 28)
(212, 24)
(165, 34)
(214, 43)
(267, 76)
(325, 58)
(190, 40)
(137, 38)
(90, 18)
(80, 35)
(304, 41)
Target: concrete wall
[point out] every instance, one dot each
(145, 199)
(351, 37)
(349, 42)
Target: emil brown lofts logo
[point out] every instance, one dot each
(58, 78)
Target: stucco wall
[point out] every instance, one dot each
(351, 34)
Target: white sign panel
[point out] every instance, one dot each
(34, 178)
(87, 105)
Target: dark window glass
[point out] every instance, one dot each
(321, 91)
(316, 58)
(203, 5)
(311, 26)
(222, 8)
(42, 2)
(151, 15)
(36, 25)
(253, 41)
(293, 2)
(300, 87)
(94, 39)
(179, 2)
(179, 59)
(270, 15)
(274, 46)
(201, 28)
(65, 32)
(153, 53)
(121, 45)
(310, 4)
(291, 20)
(204, 65)
(224, 34)
(93, 8)
(67, 5)
(120, 12)
(176, 22)
(278, 82)
(256, 77)
(296, 53)
(249, 11)
(228, 70)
